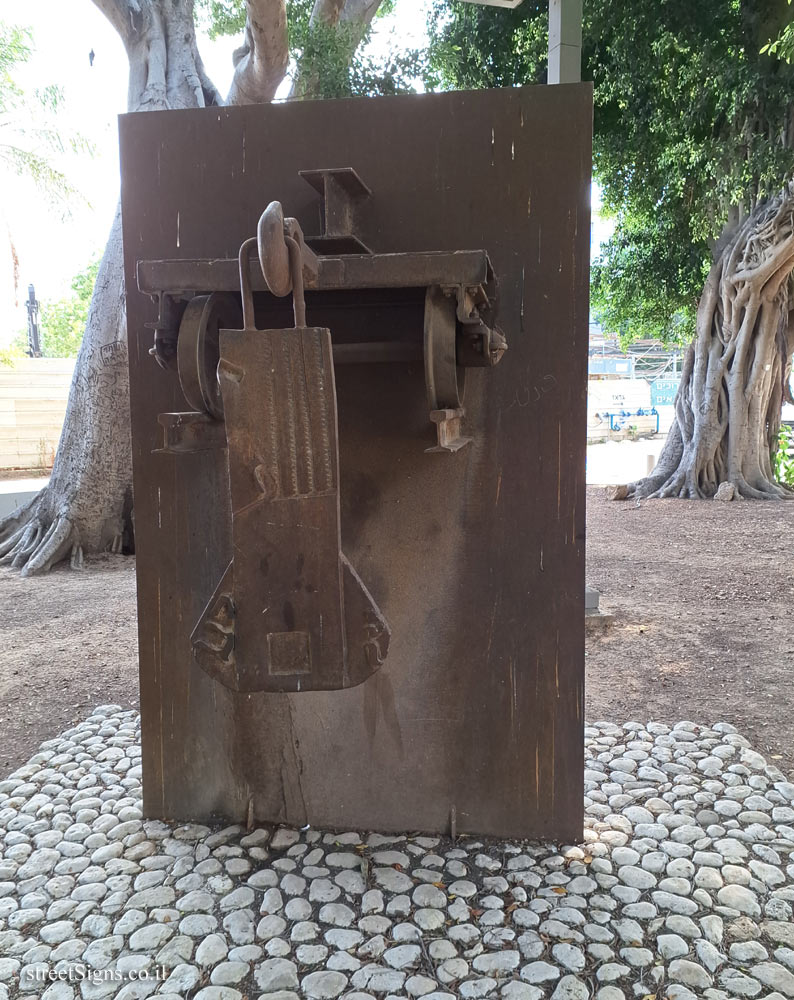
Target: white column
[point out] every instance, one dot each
(565, 41)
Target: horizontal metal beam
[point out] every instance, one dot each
(388, 270)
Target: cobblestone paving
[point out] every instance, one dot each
(683, 886)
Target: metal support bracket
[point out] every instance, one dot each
(448, 427)
(190, 432)
(170, 310)
(480, 343)
(341, 190)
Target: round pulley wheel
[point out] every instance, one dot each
(198, 350)
(443, 378)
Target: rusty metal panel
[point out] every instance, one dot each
(476, 558)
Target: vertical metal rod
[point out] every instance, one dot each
(244, 261)
(296, 273)
(565, 41)
(34, 341)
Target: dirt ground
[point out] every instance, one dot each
(701, 592)
(69, 643)
(702, 597)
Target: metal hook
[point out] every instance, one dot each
(282, 256)
(273, 252)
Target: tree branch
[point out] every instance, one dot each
(261, 62)
(121, 14)
(359, 14)
(356, 15)
(326, 12)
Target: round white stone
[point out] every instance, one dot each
(324, 985)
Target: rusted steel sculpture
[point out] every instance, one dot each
(290, 613)
(360, 600)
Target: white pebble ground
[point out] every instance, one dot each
(682, 887)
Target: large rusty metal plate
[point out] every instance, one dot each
(476, 558)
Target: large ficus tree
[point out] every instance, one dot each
(87, 505)
(694, 132)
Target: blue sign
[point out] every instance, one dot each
(663, 391)
(600, 364)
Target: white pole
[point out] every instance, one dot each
(565, 41)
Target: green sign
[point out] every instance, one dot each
(663, 391)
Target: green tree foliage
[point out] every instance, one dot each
(693, 125)
(32, 140)
(473, 46)
(646, 282)
(331, 58)
(221, 17)
(783, 45)
(31, 137)
(783, 462)
(323, 58)
(10, 353)
(63, 322)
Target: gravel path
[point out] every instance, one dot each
(682, 887)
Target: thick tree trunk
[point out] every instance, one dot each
(735, 377)
(87, 505)
(88, 499)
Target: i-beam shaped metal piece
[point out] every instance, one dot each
(341, 190)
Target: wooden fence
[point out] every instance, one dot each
(33, 394)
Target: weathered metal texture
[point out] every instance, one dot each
(381, 270)
(475, 558)
(289, 613)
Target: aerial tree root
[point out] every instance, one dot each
(736, 372)
(33, 543)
